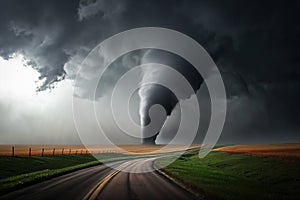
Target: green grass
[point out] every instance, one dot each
(237, 176)
(12, 166)
(17, 172)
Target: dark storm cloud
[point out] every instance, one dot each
(50, 34)
(254, 44)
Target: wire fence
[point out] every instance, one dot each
(49, 151)
(55, 150)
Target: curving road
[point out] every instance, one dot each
(102, 182)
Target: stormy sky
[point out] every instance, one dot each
(253, 43)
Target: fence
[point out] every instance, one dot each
(48, 151)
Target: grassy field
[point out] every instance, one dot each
(13, 166)
(237, 176)
(20, 171)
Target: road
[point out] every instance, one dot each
(102, 182)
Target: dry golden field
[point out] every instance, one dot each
(36, 150)
(290, 151)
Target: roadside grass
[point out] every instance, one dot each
(236, 176)
(17, 172)
(12, 166)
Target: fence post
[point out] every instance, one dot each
(43, 152)
(29, 153)
(70, 151)
(76, 152)
(53, 152)
(13, 151)
(86, 151)
(62, 151)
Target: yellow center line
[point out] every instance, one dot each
(94, 192)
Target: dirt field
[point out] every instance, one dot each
(36, 150)
(290, 151)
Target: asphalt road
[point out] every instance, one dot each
(102, 182)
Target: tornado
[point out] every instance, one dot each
(155, 94)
